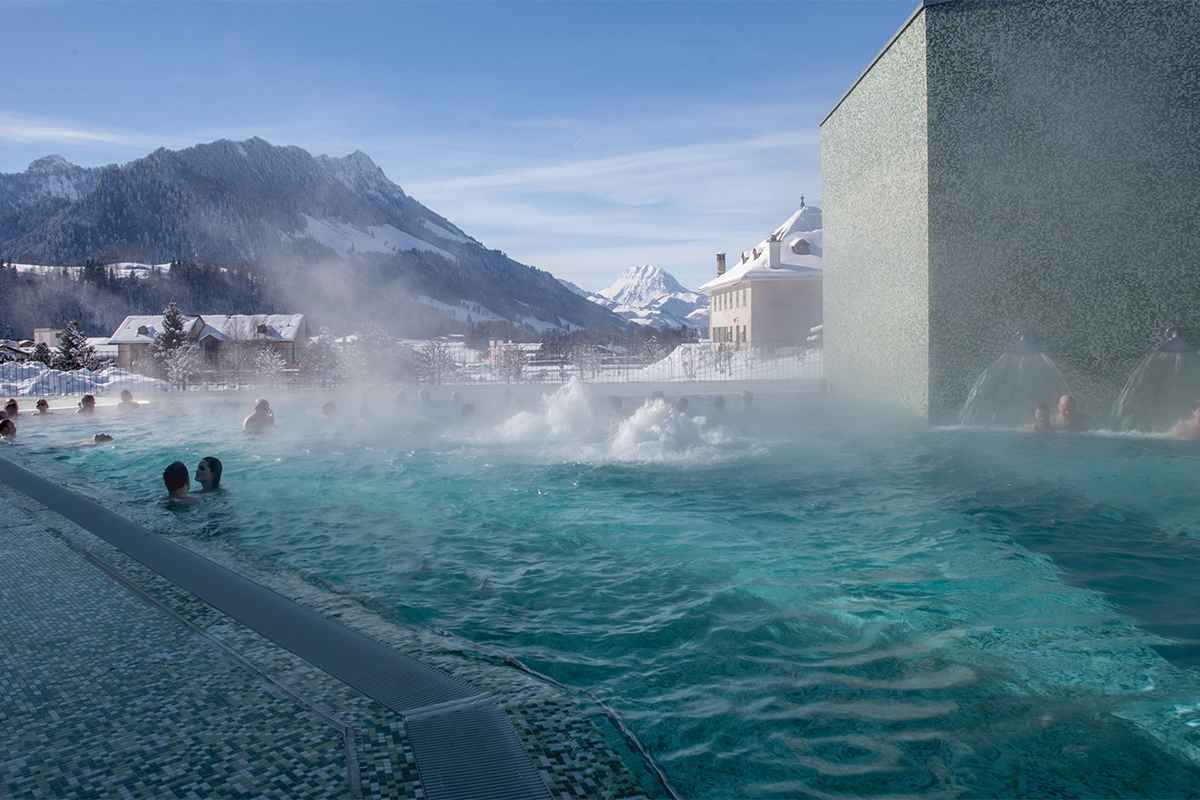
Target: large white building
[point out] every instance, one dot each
(773, 294)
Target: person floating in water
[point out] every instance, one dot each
(87, 404)
(43, 408)
(1190, 427)
(1041, 420)
(208, 473)
(8, 429)
(12, 409)
(127, 403)
(263, 416)
(1069, 419)
(177, 480)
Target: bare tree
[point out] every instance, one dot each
(513, 362)
(433, 360)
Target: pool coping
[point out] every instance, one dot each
(478, 756)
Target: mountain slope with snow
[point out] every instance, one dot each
(332, 237)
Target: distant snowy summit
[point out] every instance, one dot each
(647, 295)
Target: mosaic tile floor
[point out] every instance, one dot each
(117, 683)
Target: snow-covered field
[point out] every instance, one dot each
(34, 379)
(699, 362)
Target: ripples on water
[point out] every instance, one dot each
(778, 602)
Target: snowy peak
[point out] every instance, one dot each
(647, 295)
(642, 286)
(48, 165)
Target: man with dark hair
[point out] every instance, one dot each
(178, 481)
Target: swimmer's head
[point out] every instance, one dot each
(328, 409)
(468, 410)
(101, 438)
(719, 403)
(11, 408)
(87, 402)
(8, 428)
(681, 405)
(423, 396)
(747, 398)
(43, 405)
(657, 394)
(208, 472)
(126, 396)
(175, 476)
(261, 406)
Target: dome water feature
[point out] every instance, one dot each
(1162, 390)
(1008, 391)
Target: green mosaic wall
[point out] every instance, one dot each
(1063, 160)
(873, 187)
(1063, 172)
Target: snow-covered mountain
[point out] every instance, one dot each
(647, 295)
(331, 237)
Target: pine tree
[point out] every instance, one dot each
(74, 352)
(42, 354)
(171, 337)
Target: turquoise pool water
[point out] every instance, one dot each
(802, 600)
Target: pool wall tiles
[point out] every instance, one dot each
(1060, 190)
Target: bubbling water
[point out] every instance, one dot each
(1008, 391)
(1162, 389)
(654, 433)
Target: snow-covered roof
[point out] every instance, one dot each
(223, 327)
(804, 224)
(130, 329)
(792, 267)
(244, 327)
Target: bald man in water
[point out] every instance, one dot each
(1067, 418)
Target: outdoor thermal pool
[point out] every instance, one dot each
(802, 599)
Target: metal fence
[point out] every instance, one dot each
(687, 363)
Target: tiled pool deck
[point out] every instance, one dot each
(117, 683)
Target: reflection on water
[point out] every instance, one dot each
(778, 602)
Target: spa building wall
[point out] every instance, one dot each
(1053, 183)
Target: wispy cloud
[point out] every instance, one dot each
(17, 128)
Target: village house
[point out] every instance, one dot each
(216, 335)
(771, 296)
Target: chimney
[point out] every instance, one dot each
(720, 263)
(773, 260)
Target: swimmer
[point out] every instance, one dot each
(423, 396)
(208, 473)
(12, 409)
(1067, 418)
(8, 429)
(178, 482)
(1041, 420)
(328, 410)
(127, 403)
(718, 403)
(657, 396)
(681, 405)
(747, 399)
(1190, 427)
(43, 408)
(262, 417)
(101, 438)
(87, 404)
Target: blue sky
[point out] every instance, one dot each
(582, 138)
